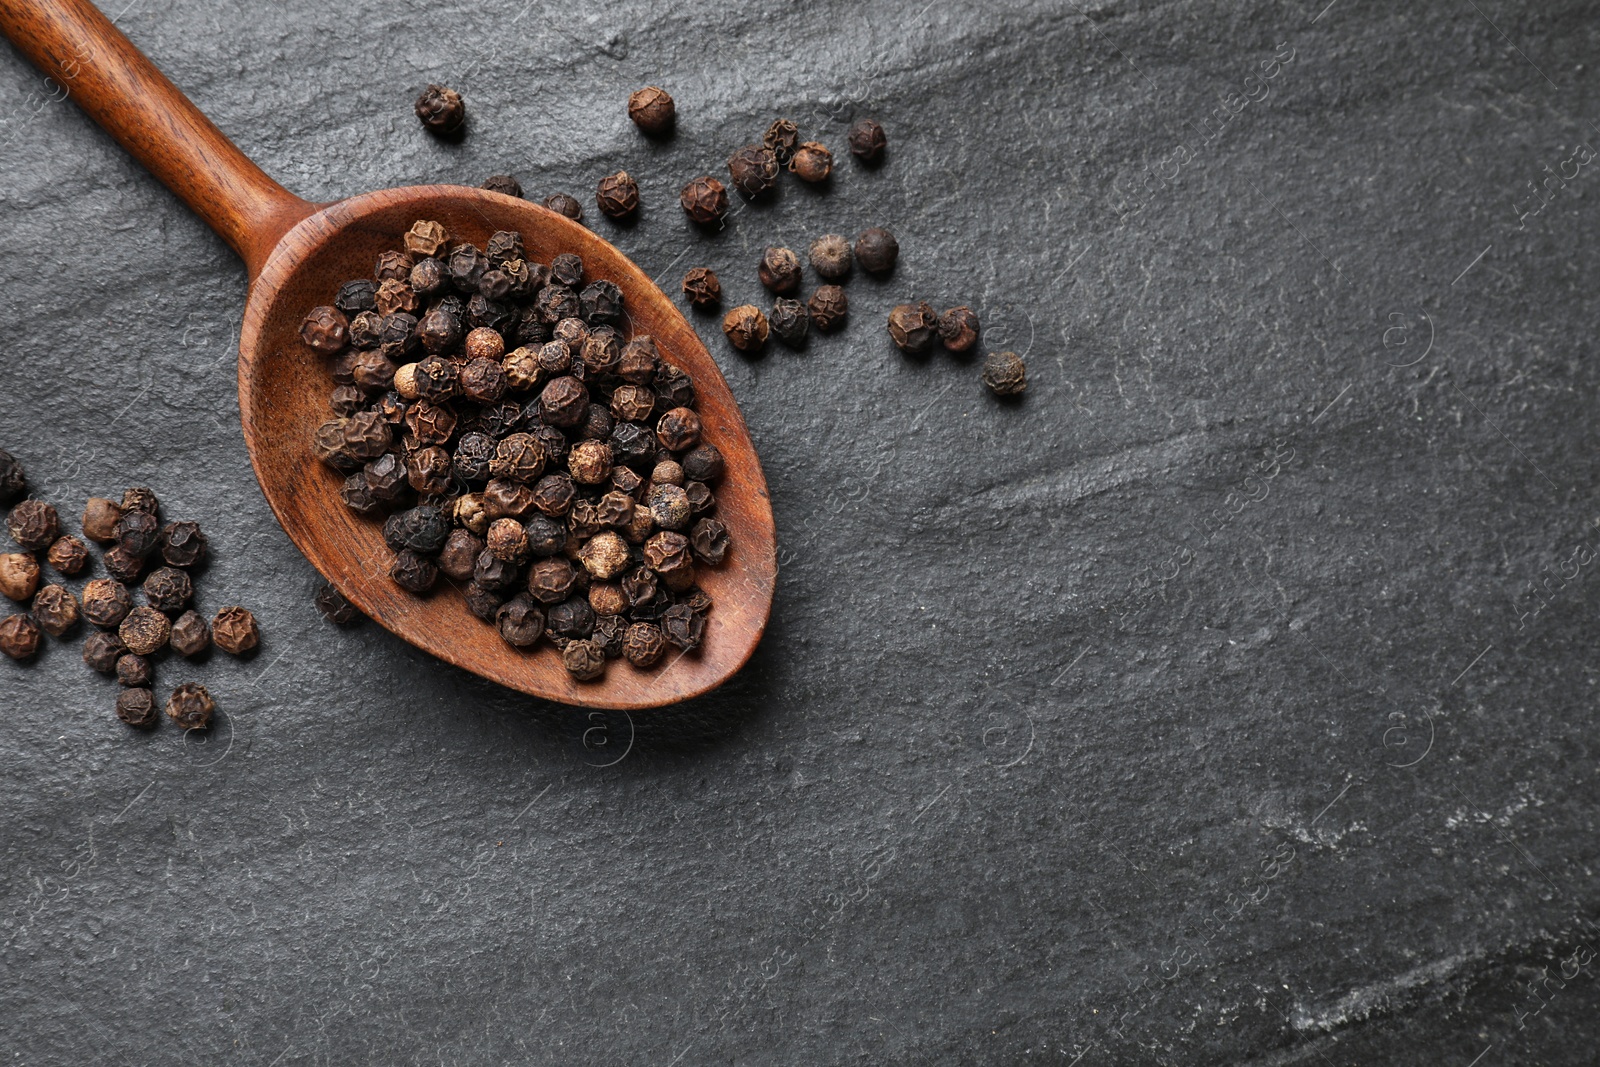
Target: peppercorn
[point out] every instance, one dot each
(504, 184)
(425, 239)
(520, 621)
(346, 400)
(828, 307)
(703, 463)
(867, 140)
(507, 540)
(617, 195)
(679, 429)
(190, 634)
(639, 360)
(137, 708)
(520, 457)
(366, 328)
(877, 250)
(357, 496)
(584, 660)
(669, 506)
(325, 329)
(551, 580)
(700, 496)
(190, 706)
(746, 328)
(652, 110)
(556, 302)
(633, 445)
(572, 618)
(601, 302)
(790, 321)
(666, 552)
(566, 270)
(782, 137)
(144, 630)
(562, 204)
(55, 609)
(643, 644)
(753, 169)
(639, 586)
(19, 575)
(366, 436)
(497, 420)
(168, 589)
(1005, 374)
(234, 630)
(812, 162)
(701, 287)
(138, 533)
(546, 536)
(608, 633)
(33, 524)
(709, 541)
(412, 572)
(106, 603)
(133, 671)
(141, 498)
(605, 555)
(590, 462)
(460, 553)
(13, 482)
(182, 544)
(572, 332)
(830, 256)
(393, 263)
(122, 565)
(779, 270)
(632, 403)
(598, 424)
(683, 627)
(356, 296)
(481, 602)
(441, 110)
(913, 327)
(553, 494)
(564, 402)
(958, 328)
(371, 370)
(639, 527)
(583, 522)
(19, 637)
(100, 517)
(503, 497)
(471, 512)
(439, 331)
(482, 311)
(521, 367)
(491, 572)
(704, 200)
(101, 652)
(395, 295)
(422, 529)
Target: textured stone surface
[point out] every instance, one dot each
(1228, 700)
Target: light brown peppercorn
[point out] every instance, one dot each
(704, 200)
(460, 553)
(678, 430)
(504, 498)
(830, 256)
(913, 327)
(100, 517)
(605, 555)
(666, 552)
(325, 330)
(507, 541)
(652, 110)
(643, 644)
(471, 511)
(1005, 374)
(33, 524)
(141, 498)
(589, 462)
(19, 637)
(190, 634)
(639, 360)
(753, 169)
(669, 506)
(19, 575)
(234, 630)
(584, 660)
(144, 630)
(521, 367)
(779, 270)
(106, 603)
(55, 609)
(828, 307)
(190, 706)
(877, 250)
(395, 295)
(617, 195)
(168, 589)
(782, 137)
(958, 328)
(101, 652)
(614, 508)
(867, 140)
(812, 162)
(426, 238)
(633, 403)
(133, 671)
(667, 472)
(746, 328)
(702, 288)
(430, 423)
(137, 708)
(405, 381)
(606, 598)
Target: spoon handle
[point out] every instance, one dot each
(89, 59)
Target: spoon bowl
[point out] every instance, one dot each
(297, 254)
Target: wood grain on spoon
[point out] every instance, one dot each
(296, 254)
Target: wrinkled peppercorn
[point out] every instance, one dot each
(669, 506)
(356, 296)
(652, 110)
(441, 110)
(709, 541)
(395, 295)
(13, 482)
(913, 327)
(481, 602)
(562, 204)
(639, 360)
(19, 637)
(33, 524)
(779, 270)
(830, 256)
(101, 652)
(19, 575)
(507, 541)
(504, 184)
(782, 137)
(393, 264)
(584, 660)
(589, 462)
(683, 627)
(867, 140)
(141, 498)
(122, 565)
(828, 307)
(490, 572)
(520, 621)
(357, 496)
(753, 169)
(812, 162)
(503, 497)
(422, 529)
(958, 328)
(1005, 374)
(106, 603)
(702, 288)
(643, 644)
(182, 544)
(564, 402)
(701, 499)
(346, 400)
(138, 533)
(704, 200)
(459, 556)
(55, 609)
(137, 708)
(790, 321)
(325, 329)
(551, 580)
(133, 671)
(168, 589)
(746, 328)
(679, 429)
(605, 555)
(100, 518)
(703, 463)
(572, 618)
(617, 195)
(234, 630)
(601, 303)
(144, 630)
(190, 634)
(877, 250)
(190, 706)
(412, 572)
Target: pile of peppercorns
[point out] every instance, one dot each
(754, 171)
(493, 412)
(127, 639)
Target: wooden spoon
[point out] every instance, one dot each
(297, 253)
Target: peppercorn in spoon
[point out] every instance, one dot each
(296, 253)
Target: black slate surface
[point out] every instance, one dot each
(1228, 701)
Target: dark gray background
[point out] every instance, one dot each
(1229, 700)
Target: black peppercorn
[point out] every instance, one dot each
(601, 303)
(667, 552)
(397, 334)
(674, 389)
(483, 603)
(503, 497)
(683, 627)
(19, 575)
(669, 506)
(958, 328)
(702, 288)
(639, 360)
(790, 321)
(133, 670)
(190, 706)
(483, 381)
(138, 533)
(439, 331)
(430, 423)
(562, 204)
(709, 541)
(877, 250)
(597, 427)
(701, 499)
(556, 302)
(746, 328)
(122, 565)
(812, 162)
(552, 579)
(572, 618)
(520, 621)
(504, 184)
(703, 464)
(325, 329)
(507, 541)
(783, 136)
(137, 708)
(106, 603)
(68, 555)
(753, 169)
(564, 402)
(632, 403)
(584, 660)
(168, 589)
(667, 472)
(678, 429)
(652, 110)
(459, 556)
(100, 517)
(481, 311)
(191, 635)
(492, 572)
(497, 420)
(413, 573)
(55, 609)
(828, 307)
(358, 497)
(386, 477)
(643, 644)
(366, 329)
(519, 457)
(639, 586)
(704, 200)
(346, 400)
(567, 269)
(441, 110)
(602, 353)
(608, 634)
(633, 445)
(1005, 374)
(33, 524)
(101, 652)
(617, 195)
(472, 456)
(867, 140)
(19, 637)
(436, 379)
(779, 270)
(144, 631)
(13, 482)
(234, 630)
(913, 327)
(422, 529)
(466, 266)
(357, 296)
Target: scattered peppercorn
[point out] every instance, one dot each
(13, 482)
(867, 140)
(913, 327)
(332, 605)
(617, 195)
(33, 525)
(182, 544)
(19, 637)
(504, 184)
(562, 204)
(100, 518)
(137, 708)
(122, 565)
(190, 706)
(168, 589)
(106, 603)
(877, 250)
(753, 169)
(133, 671)
(1005, 374)
(830, 257)
(828, 307)
(441, 110)
(779, 270)
(958, 328)
(812, 162)
(652, 110)
(55, 609)
(19, 575)
(704, 200)
(190, 634)
(782, 137)
(101, 651)
(234, 630)
(790, 321)
(746, 328)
